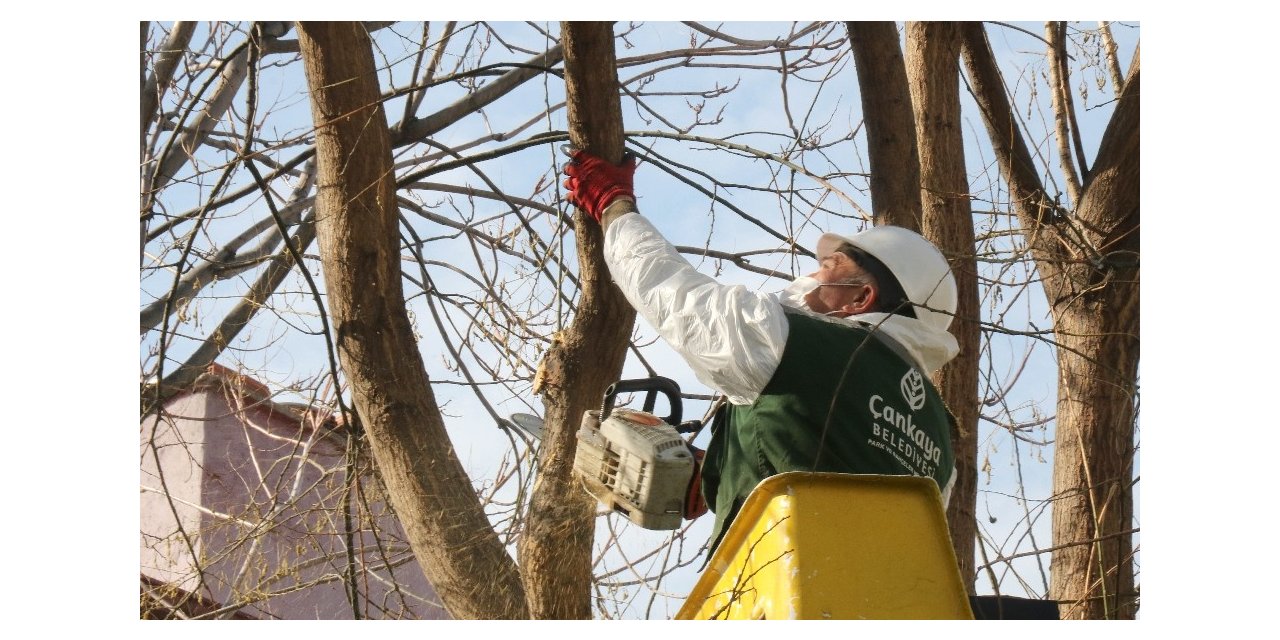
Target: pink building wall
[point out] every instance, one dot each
(257, 489)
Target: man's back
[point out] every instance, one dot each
(843, 399)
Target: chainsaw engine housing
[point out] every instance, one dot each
(635, 464)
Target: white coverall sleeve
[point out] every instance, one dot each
(730, 336)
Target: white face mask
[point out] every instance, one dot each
(793, 295)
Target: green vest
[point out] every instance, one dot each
(844, 399)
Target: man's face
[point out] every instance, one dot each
(834, 297)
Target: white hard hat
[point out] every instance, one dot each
(918, 265)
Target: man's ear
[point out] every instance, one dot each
(864, 300)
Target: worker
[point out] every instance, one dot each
(830, 374)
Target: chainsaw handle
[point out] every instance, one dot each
(651, 387)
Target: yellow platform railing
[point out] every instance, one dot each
(838, 546)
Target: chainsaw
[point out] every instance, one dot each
(634, 462)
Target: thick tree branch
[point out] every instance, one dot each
(1011, 151)
(1116, 178)
(168, 56)
(890, 125)
(933, 71)
(358, 228)
(422, 128)
(176, 156)
(1064, 112)
(1113, 58)
(555, 551)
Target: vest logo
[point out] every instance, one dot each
(912, 387)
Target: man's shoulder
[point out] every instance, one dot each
(809, 332)
(837, 335)
(804, 316)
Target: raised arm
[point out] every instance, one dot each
(730, 336)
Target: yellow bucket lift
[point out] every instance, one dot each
(838, 546)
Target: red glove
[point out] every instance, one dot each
(594, 184)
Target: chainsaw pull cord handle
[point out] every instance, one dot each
(651, 387)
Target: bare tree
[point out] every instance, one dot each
(358, 229)
(911, 112)
(555, 550)
(933, 59)
(461, 261)
(1087, 256)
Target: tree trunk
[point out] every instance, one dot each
(1088, 261)
(555, 548)
(890, 123)
(1096, 314)
(359, 246)
(933, 69)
